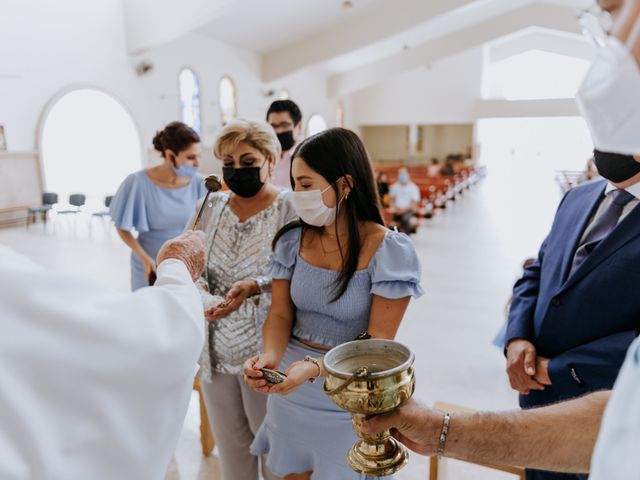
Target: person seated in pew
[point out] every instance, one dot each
(405, 201)
(448, 169)
(383, 188)
(433, 170)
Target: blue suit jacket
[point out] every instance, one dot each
(583, 322)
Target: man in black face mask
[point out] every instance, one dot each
(286, 119)
(575, 311)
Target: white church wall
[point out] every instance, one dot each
(444, 92)
(49, 48)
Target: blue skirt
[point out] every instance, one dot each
(305, 430)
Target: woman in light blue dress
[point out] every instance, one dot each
(157, 202)
(337, 273)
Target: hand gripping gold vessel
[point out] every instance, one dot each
(369, 377)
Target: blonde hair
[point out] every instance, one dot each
(258, 135)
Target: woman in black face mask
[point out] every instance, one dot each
(240, 225)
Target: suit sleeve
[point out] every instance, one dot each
(592, 366)
(525, 295)
(523, 301)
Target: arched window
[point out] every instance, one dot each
(316, 124)
(189, 98)
(227, 99)
(89, 143)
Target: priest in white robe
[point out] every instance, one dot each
(95, 384)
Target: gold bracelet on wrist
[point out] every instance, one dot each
(442, 440)
(307, 358)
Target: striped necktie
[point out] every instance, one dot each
(602, 226)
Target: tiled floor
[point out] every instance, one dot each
(467, 273)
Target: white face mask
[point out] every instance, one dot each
(609, 99)
(311, 209)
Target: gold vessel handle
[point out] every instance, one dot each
(360, 374)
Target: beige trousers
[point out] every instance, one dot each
(235, 413)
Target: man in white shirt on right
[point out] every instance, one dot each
(405, 202)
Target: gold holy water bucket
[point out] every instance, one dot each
(369, 377)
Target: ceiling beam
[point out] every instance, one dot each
(556, 107)
(550, 41)
(375, 23)
(536, 15)
(150, 23)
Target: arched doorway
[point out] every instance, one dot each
(88, 144)
(227, 99)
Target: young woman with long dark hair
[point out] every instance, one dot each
(337, 272)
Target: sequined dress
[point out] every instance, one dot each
(238, 251)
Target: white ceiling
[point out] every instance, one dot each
(260, 25)
(374, 35)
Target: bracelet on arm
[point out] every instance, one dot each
(307, 358)
(264, 284)
(442, 441)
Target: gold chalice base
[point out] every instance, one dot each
(378, 460)
(370, 377)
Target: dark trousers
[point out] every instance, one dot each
(540, 475)
(405, 221)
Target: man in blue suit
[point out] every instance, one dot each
(576, 310)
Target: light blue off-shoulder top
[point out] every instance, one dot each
(393, 272)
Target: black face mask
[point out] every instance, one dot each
(244, 182)
(286, 140)
(615, 167)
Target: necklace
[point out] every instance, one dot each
(340, 235)
(325, 251)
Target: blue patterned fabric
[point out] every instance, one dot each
(394, 272)
(156, 213)
(306, 431)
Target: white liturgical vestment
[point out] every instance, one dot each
(617, 453)
(93, 384)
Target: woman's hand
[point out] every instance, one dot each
(209, 314)
(239, 292)
(253, 375)
(297, 373)
(149, 266)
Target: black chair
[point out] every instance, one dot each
(76, 200)
(49, 199)
(105, 212)
(102, 214)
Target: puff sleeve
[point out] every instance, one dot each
(283, 259)
(395, 268)
(128, 207)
